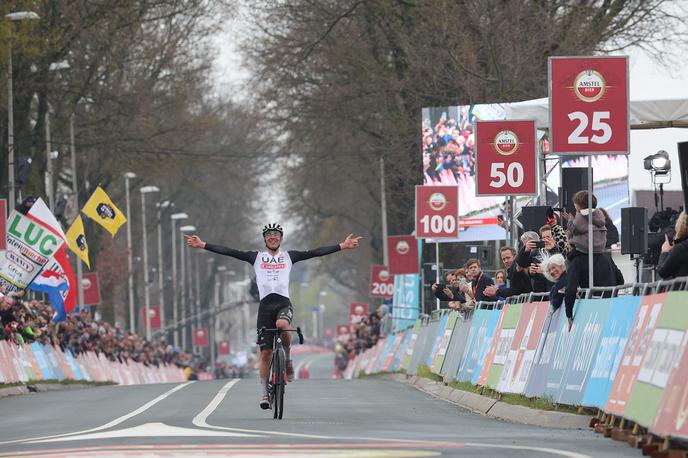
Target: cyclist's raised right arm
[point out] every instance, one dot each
(195, 241)
(248, 256)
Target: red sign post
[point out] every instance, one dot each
(437, 212)
(381, 282)
(506, 158)
(589, 105)
(403, 254)
(91, 287)
(357, 312)
(223, 347)
(200, 337)
(154, 316)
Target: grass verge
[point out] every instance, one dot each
(57, 382)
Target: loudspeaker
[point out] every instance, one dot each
(573, 179)
(534, 217)
(683, 170)
(634, 230)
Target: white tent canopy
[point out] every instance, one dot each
(664, 103)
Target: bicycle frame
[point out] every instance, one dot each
(277, 375)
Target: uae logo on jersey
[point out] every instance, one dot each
(589, 86)
(506, 143)
(402, 247)
(437, 201)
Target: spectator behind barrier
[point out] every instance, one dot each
(554, 268)
(673, 262)
(532, 253)
(449, 291)
(479, 281)
(578, 228)
(518, 281)
(612, 231)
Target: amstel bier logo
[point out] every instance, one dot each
(437, 201)
(589, 86)
(383, 275)
(506, 143)
(402, 247)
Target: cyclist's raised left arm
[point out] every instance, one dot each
(349, 243)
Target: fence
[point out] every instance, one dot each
(21, 363)
(625, 354)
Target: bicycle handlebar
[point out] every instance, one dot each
(297, 331)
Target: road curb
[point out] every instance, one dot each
(493, 408)
(38, 388)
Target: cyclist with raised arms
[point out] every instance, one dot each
(273, 268)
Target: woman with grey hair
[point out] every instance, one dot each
(554, 269)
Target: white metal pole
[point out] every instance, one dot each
(383, 210)
(437, 271)
(49, 163)
(590, 229)
(10, 128)
(161, 277)
(182, 254)
(130, 279)
(175, 303)
(146, 289)
(75, 191)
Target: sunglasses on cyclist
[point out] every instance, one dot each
(272, 234)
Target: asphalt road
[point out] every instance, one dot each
(323, 418)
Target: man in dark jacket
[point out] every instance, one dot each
(479, 281)
(605, 273)
(449, 292)
(673, 262)
(518, 281)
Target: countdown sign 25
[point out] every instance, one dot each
(506, 161)
(437, 211)
(589, 105)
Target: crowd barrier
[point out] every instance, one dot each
(625, 354)
(36, 362)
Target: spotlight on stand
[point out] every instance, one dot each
(659, 166)
(658, 163)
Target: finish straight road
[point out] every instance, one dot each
(323, 418)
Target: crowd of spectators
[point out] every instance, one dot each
(365, 335)
(28, 321)
(554, 260)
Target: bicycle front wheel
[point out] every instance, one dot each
(281, 385)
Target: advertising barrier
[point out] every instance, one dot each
(625, 355)
(22, 363)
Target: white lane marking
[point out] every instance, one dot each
(200, 419)
(155, 429)
(114, 422)
(308, 361)
(552, 451)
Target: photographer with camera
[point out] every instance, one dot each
(673, 262)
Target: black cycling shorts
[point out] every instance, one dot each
(273, 307)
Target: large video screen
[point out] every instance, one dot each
(449, 153)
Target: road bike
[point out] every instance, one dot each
(277, 378)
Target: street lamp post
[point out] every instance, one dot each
(130, 280)
(175, 304)
(75, 191)
(18, 16)
(146, 287)
(161, 279)
(183, 229)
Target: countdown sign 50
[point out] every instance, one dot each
(437, 210)
(589, 105)
(506, 162)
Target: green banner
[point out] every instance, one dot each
(506, 336)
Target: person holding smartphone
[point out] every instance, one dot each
(535, 248)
